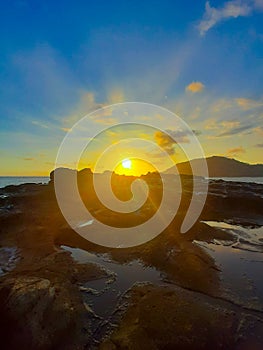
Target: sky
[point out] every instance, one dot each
(60, 60)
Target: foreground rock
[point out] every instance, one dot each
(172, 318)
(41, 307)
(41, 301)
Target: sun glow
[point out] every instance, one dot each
(126, 164)
(133, 167)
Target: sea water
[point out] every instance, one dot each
(258, 180)
(18, 180)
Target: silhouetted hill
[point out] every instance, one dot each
(221, 167)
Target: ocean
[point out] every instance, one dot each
(18, 180)
(258, 180)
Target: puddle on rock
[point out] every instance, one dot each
(247, 238)
(8, 259)
(104, 295)
(241, 264)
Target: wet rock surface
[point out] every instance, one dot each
(41, 304)
(42, 293)
(173, 318)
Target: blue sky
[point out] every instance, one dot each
(63, 59)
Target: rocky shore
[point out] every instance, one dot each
(42, 286)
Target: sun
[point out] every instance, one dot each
(126, 163)
(133, 167)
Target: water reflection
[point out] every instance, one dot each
(121, 278)
(241, 263)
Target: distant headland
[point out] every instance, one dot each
(220, 167)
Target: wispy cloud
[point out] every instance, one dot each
(258, 4)
(116, 96)
(236, 151)
(246, 103)
(105, 120)
(235, 116)
(195, 86)
(213, 124)
(259, 130)
(28, 158)
(241, 103)
(222, 104)
(230, 9)
(168, 139)
(40, 124)
(235, 131)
